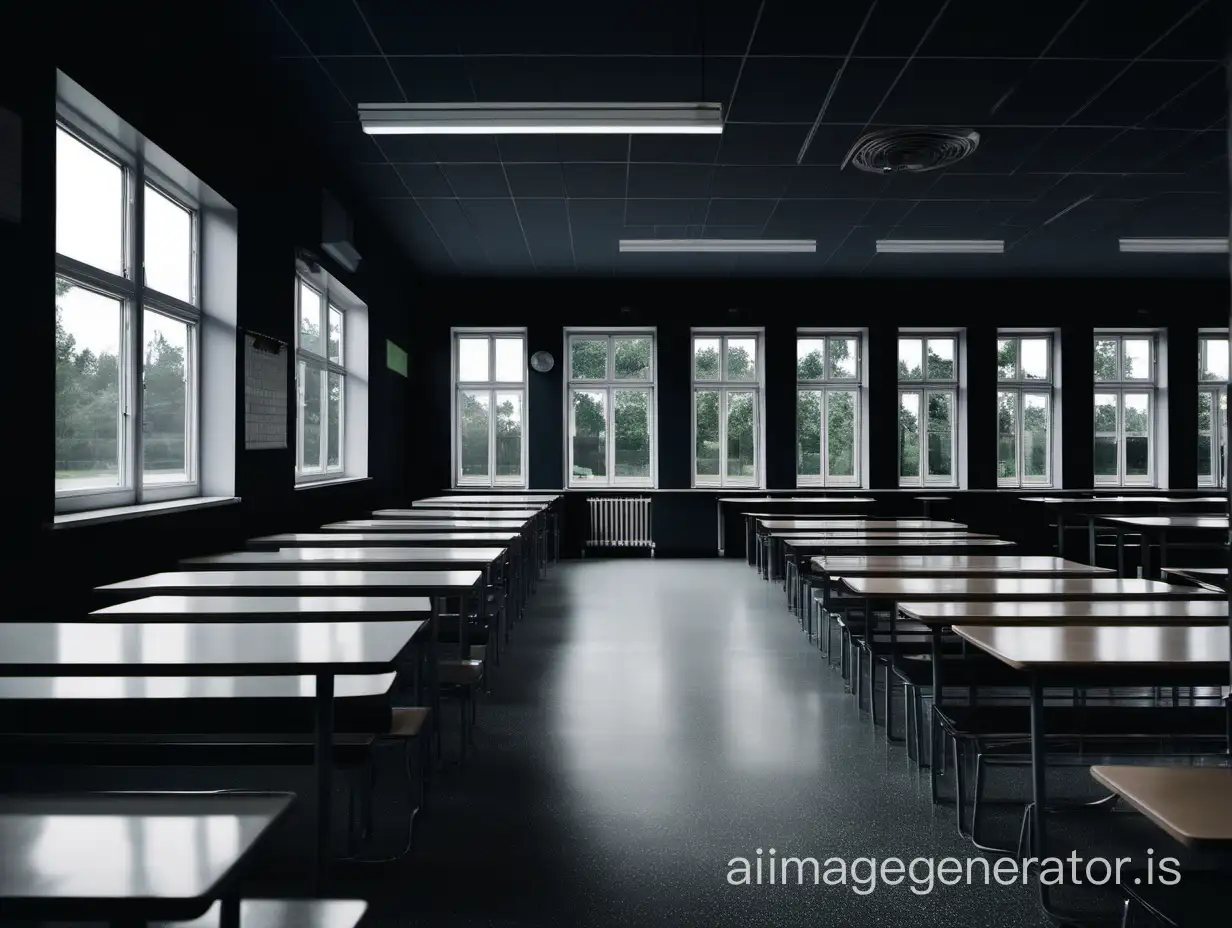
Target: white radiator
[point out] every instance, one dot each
(620, 522)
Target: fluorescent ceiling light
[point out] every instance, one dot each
(719, 245)
(541, 118)
(954, 246)
(1176, 246)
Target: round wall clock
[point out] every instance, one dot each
(542, 361)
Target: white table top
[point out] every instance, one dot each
(478, 515)
(283, 913)
(307, 557)
(950, 565)
(163, 855)
(382, 539)
(135, 649)
(998, 588)
(360, 582)
(426, 525)
(863, 525)
(1213, 611)
(823, 500)
(491, 498)
(1123, 500)
(1078, 647)
(803, 539)
(294, 687)
(525, 505)
(1203, 522)
(269, 608)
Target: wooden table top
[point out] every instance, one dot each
(889, 541)
(919, 589)
(1078, 647)
(476, 515)
(137, 649)
(382, 539)
(271, 608)
(290, 687)
(864, 525)
(845, 516)
(129, 855)
(1203, 522)
(1193, 804)
(281, 582)
(804, 537)
(821, 500)
(520, 505)
(492, 498)
(356, 557)
(947, 565)
(427, 525)
(1213, 611)
(1124, 500)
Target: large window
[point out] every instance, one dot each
(1024, 410)
(611, 408)
(490, 408)
(1213, 411)
(726, 408)
(927, 409)
(828, 409)
(127, 327)
(1125, 372)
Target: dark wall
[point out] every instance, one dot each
(210, 105)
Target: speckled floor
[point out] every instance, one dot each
(654, 720)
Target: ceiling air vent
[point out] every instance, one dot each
(884, 151)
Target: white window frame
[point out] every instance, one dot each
(1218, 392)
(1021, 387)
(826, 385)
(926, 386)
(492, 387)
(1120, 387)
(608, 386)
(725, 387)
(135, 298)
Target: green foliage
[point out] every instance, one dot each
(840, 430)
(706, 364)
(588, 358)
(1007, 358)
(1106, 360)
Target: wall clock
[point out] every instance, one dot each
(542, 361)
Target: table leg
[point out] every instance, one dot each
(1145, 547)
(229, 912)
(938, 689)
(324, 756)
(719, 507)
(1120, 553)
(1060, 534)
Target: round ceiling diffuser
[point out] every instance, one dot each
(884, 151)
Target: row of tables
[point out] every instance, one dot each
(1044, 621)
(319, 616)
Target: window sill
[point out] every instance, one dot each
(123, 513)
(337, 481)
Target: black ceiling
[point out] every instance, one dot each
(1098, 118)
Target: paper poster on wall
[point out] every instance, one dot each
(265, 392)
(10, 166)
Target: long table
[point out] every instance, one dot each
(1089, 509)
(765, 528)
(1155, 529)
(802, 504)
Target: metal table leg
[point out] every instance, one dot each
(324, 756)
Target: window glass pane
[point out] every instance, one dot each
(1204, 411)
(1007, 435)
(588, 359)
(333, 447)
(1204, 456)
(168, 245)
(1034, 358)
(1137, 359)
(1106, 413)
(810, 358)
(1223, 437)
(335, 335)
(1106, 359)
(1035, 447)
(910, 358)
(843, 360)
(509, 354)
(941, 359)
(631, 414)
(841, 433)
(589, 433)
(473, 438)
(1137, 434)
(1137, 456)
(940, 435)
(706, 448)
(165, 397)
(89, 205)
(741, 432)
(1137, 412)
(808, 433)
(706, 360)
(631, 359)
(742, 359)
(88, 420)
(509, 435)
(473, 360)
(1007, 359)
(909, 435)
(1214, 359)
(310, 412)
(309, 319)
(1105, 456)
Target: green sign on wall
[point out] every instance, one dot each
(395, 358)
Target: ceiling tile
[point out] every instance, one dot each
(1089, 35)
(471, 148)
(347, 144)
(656, 212)
(405, 149)
(424, 180)
(799, 27)
(736, 181)
(594, 180)
(455, 230)
(363, 80)
(499, 229)
(669, 180)
(529, 148)
(434, 80)
(831, 144)
(476, 180)
(782, 89)
(1020, 186)
(739, 212)
(823, 181)
(593, 147)
(1051, 92)
(332, 27)
(676, 149)
(1002, 149)
(1139, 92)
(1202, 35)
(1190, 151)
(1004, 29)
(413, 28)
(416, 233)
(379, 180)
(1200, 106)
(949, 92)
(815, 218)
(1064, 149)
(546, 223)
(535, 180)
(897, 26)
(860, 89)
(763, 144)
(303, 78)
(1134, 150)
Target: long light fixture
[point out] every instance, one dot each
(940, 246)
(763, 246)
(1175, 246)
(541, 118)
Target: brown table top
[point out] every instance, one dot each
(949, 565)
(889, 541)
(863, 525)
(803, 539)
(797, 499)
(426, 525)
(1123, 500)
(919, 589)
(1197, 571)
(1078, 647)
(479, 515)
(1193, 804)
(845, 516)
(1213, 611)
(1205, 522)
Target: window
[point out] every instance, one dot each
(611, 408)
(1213, 411)
(828, 410)
(927, 409)
(490, 408)
(1024, 410)
(1124, 409)
(726, 409)
(128, 320)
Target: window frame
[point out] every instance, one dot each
(926, 386)
(1021, 387)
(1217, 390)
(330, 299)
(492, 387)
(827, 384)
(725, 387)
(1121, 387)
(136, 298)
(609, 386)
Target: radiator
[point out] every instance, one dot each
(620, 522)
